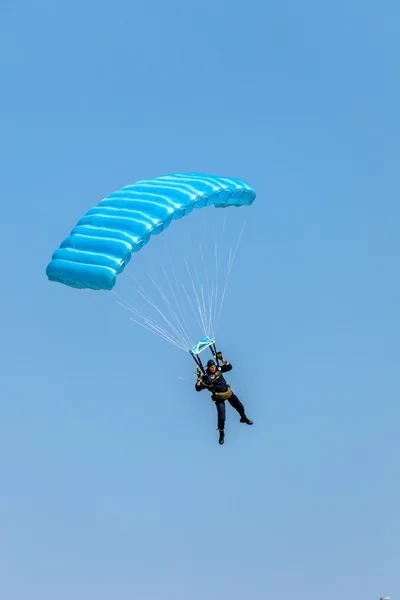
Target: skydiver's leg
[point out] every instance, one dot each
(221, 414)
(235, 403)
(221, 420)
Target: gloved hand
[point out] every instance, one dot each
(219, 355)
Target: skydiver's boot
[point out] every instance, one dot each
(221, 436)
(244, 419)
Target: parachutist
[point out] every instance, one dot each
(215, 382)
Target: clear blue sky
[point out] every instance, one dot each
(113, 485)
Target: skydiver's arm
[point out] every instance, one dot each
(203, 384)
(226, 366)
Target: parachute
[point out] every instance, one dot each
(101, 245)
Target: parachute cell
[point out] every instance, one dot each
(101, 244)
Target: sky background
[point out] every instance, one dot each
(113, 485)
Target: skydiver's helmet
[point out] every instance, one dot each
(210, 363)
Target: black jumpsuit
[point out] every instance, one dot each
(216, 383)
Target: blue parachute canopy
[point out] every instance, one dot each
(101, 244)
